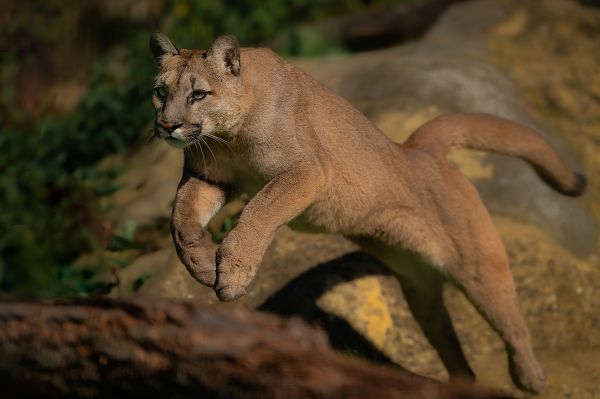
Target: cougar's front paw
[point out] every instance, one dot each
(233, 276)
(203, 270)
(198, 253)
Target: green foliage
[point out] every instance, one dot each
(194, 24)
(74, 281)
(124, 239)
(141, 280)
(228, 225)
(49, 183)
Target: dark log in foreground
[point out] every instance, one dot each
(106, 348)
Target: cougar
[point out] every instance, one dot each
(310, 159)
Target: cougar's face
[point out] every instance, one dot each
(195, 94)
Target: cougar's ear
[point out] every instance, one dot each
(161, 46)
(226, 53)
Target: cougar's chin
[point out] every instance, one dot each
(173, 142)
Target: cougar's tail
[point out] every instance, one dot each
(491, 133)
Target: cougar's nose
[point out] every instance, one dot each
(169, 127)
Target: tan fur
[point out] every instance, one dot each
(319, 163)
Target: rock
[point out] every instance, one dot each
(147, 189)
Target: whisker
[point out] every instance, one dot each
(209, 149)
(217, 138)
(220, 140)
(199, 146)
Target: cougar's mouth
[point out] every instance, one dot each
(180, 137)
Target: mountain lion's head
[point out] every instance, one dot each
(195, 92)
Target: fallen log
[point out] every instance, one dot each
(107, 348)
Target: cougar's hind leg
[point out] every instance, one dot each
(422, 286)
(491, 290)
(479, 266)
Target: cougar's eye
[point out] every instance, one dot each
(198, 95)
(161, 92)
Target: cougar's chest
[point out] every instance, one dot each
(226, 165)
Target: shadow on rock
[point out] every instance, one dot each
(300, 296)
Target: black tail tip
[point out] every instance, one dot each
(579, 187)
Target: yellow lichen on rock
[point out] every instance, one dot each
(512, 26)
(398, 125)
(472, 163)
(362, 303)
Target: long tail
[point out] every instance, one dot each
(491, 133)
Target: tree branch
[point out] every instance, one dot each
(107, 348)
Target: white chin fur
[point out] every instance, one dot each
(177, 134)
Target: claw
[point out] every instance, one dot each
(229, 293)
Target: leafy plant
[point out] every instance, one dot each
(49, 183)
